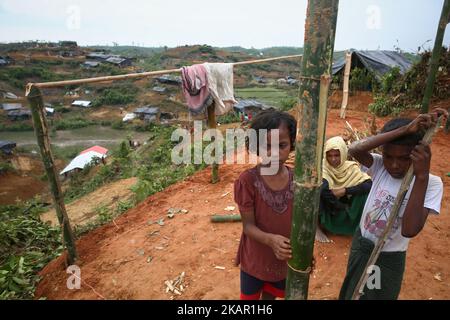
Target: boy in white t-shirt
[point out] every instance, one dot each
(400, 140)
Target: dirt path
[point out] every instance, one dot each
(114, 258)
(84, 210)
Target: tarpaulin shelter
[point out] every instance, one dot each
(377, 62)
(7, 146)
(82, 160)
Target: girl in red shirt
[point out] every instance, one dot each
(265, 204)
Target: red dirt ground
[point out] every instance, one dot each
(24, 182)
(113, 258)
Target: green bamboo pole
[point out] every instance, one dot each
(212, 124)
(359, 288)
(320, 30)
(434, 61)
(226, 218)
(36, 101)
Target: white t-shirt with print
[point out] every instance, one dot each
(381, 199)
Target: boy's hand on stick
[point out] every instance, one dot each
(438, 112)
(421, 123)
(281, 247)
(421, 157)
(425, 121)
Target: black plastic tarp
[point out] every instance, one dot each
(378, 62)
(247, 103)
(7, 146)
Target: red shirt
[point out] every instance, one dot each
(273, 214)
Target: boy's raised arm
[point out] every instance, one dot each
(360, 150)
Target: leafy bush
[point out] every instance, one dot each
(21, 126)
(26, 246)
(380, 106)
(361, 80)
(205, 49)
(118, 95)
(404, 92)
(19, 76)
(390, 79)
(383, 106)
(73, 123)
(287, 103)
(230, 117)
(5, 167)
(118, 125)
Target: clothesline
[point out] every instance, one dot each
(139, 75)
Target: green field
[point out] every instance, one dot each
(268, 95)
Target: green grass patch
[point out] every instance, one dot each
(268, 95)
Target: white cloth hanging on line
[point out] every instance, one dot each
(220, 84)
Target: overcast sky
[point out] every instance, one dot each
(362, 24)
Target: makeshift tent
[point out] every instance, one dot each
(19, 114)
(7, 146)
(82, 161)
(169, 79)
(119, 61)
(377, 62)
(9, 95)
(98, 149)
(128, 117)
(159, 89)
(81, 103)
(11, 106)
(147, 113)
(91, 64)
(250, 107)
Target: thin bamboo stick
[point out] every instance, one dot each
(34, 96)
(434, 60)
(212, 124)
(266, 60)
(348, 64)
(392, 217)
(140, 75)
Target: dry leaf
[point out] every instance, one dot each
(438, 277)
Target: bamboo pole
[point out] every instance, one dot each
(392, 217)
(434, 61)
(348, 64)
(36, 101)
(320, 30)
(266, 60)
(226, 218)
(142, 74)
(212, 124)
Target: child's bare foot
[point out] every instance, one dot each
(321, 237)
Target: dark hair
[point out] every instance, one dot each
(407, 140)
(273, 119)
